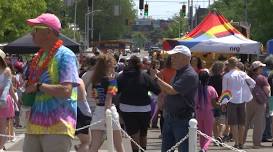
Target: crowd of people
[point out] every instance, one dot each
(63, 95)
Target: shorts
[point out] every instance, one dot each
(82, 120)
(236, 114)
(136, 122)
(217, 112)
(99, 115)
(47, 143)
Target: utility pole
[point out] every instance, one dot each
(87, 25)
(191, 14)
(92, 22)
(75, 19)
(246, 15)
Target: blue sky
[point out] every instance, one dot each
(164, 9)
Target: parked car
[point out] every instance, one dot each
(154, 48)
(127, 50)
(136, 50)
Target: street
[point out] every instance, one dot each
(154, 143)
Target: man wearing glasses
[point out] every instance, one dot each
(53, 77)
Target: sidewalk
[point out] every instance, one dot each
(153, 145)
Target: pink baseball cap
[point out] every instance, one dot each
(50, 20)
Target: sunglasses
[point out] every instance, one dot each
(37, 27)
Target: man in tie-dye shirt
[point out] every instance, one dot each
(52, 121)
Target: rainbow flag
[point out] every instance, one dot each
(225, 97)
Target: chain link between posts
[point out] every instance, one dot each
(88, 126)
(130, 138)
(218, 142)
(178, 143)
(100, 121)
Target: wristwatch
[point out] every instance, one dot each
(38, 86)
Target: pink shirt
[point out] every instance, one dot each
(207, 108)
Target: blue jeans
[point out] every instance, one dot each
(174, 129)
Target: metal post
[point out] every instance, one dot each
(92, 22)
(189, 23)
(246, 17)
(109, 130)
(191, 14)
(84, 31)
(193, 135)
(179, 29)
(88, 28)
(75, 19)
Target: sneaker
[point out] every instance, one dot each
(241, 146)
(266, 140)
(225, 138)
(13, 139)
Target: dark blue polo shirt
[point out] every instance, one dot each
(185, 83)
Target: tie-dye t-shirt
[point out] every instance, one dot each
(55, 115)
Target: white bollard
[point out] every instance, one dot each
(109, 131)
(193, 135)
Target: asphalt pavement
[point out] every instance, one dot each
(153, 145)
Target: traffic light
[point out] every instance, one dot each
(146, 10)
(183, 10)
(141, 4)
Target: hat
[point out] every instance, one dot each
(180, 49)
(2, 54)
(257, 64)
(47, 19)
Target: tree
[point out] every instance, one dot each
(106, 25)
(173, 28)
(259, 16)
(261, 20)
(139, 39)
(13, 15)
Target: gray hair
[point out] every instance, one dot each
(269, 61)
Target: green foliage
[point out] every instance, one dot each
(259, 15)
(261, 20)
(70, 33)
(173, 28)
(13, 15)
(106, 25)
(139, 39)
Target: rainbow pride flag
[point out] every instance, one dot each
(225, 97)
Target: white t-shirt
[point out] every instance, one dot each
(86, 77)
(236, 81)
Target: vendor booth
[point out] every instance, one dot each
(215, 35)
(25, 45)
